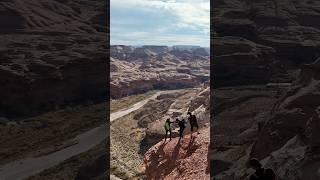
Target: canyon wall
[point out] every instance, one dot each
(140, 69)
(52, 54)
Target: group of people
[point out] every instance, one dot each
(182, 125)
(260, 172)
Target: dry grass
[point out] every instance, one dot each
(125, 137)
(124, 102)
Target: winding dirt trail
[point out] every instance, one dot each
(132, 108)
(24, 168)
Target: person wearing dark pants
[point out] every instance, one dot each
(182, 126)
(193, 122)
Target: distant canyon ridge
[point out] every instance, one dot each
(140, 69)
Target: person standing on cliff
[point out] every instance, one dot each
(182, 126)
(168, 127)
(193, 122)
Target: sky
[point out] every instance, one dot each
(160, 22)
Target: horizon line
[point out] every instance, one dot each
(158, 45)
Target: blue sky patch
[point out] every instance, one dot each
(160, 22)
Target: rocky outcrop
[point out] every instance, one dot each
(52, 54)
(284, 138)
(145, 129)
(238, 114)
(184, 159)
(283, 134)
(295, 114)
(173, 106)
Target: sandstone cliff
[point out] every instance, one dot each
(294, 127)
(280, 131)
(238, 61)
(290, 27)
(275, 124)
(288, 30)
(52, 54)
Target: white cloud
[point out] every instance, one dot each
(192, 13)
(189, 15)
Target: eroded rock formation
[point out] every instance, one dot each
(52, 54)
(289, 26)
(294, 127)
(139, 69)
(238, 61)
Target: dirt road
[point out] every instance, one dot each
(24, 168)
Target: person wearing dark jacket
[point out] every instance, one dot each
(193, 122)
(182, 126)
